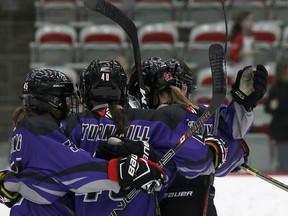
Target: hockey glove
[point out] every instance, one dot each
(133, 171)
(219, 149)
(250, 86)
(122, 147)
(6, 197)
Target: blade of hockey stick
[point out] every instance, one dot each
(219, 94)
(264, 177)
(217, 63)
(115, 14)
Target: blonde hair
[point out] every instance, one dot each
(177, 97)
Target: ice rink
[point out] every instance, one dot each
(243, 195)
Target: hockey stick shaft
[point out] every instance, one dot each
(109, 10)
(217, 62)
(219, 93)
(264, 177)
(216, 119)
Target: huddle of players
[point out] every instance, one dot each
(85, 163)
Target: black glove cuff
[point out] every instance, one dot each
(248, 102)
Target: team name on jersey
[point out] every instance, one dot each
(178, 194)
(93, 132)
(205, 129)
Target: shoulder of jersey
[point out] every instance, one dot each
(39, 125)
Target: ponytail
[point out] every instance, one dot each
(119, 117)
(178, 97)
(21, 113)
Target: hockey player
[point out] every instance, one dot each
(186, 196)
(103, 90)
(47, 165)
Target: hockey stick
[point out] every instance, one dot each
(219, 93)
(216, 122)
(115, 14)
(264, 177)
(217, 63)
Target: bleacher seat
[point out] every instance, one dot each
(203, 95)
(267, 32)
(153, 11)
(200, 38)
(159, 40)
(267, 39)
(260, 8)
(91, 17)
(204, 11)
(56, 11)
(261, 155)
(262, 120)
(54, 45)
(284, 43)
(204, 78)
(101, 41)
(279, 10)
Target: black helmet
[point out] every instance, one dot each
(44, 89)
(103, 81)
(156, 77)
(182, 73)
(149, 67)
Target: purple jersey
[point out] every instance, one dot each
(47, 165)
(187, 195)
(161, 130)
(227, 118)
(63, 207)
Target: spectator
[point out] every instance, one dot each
(276, 105)
(242, 52)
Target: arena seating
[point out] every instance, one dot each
(260, 8)
(101, 41)
(159, 40)
(278, 11)
(56, 11)
(200, 38)
(261, 154)
(153, 11)
(54, 44)
(204, 77)
(204, 11)
(261, 123)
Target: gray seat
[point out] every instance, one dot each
(261, 154)
(54, 44)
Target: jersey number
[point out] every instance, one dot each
(105, 76)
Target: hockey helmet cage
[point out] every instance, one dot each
(47, 88)
(182, 73)
(103, 81)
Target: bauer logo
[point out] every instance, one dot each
(133, 164)
(25, 86)
(178, 194)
